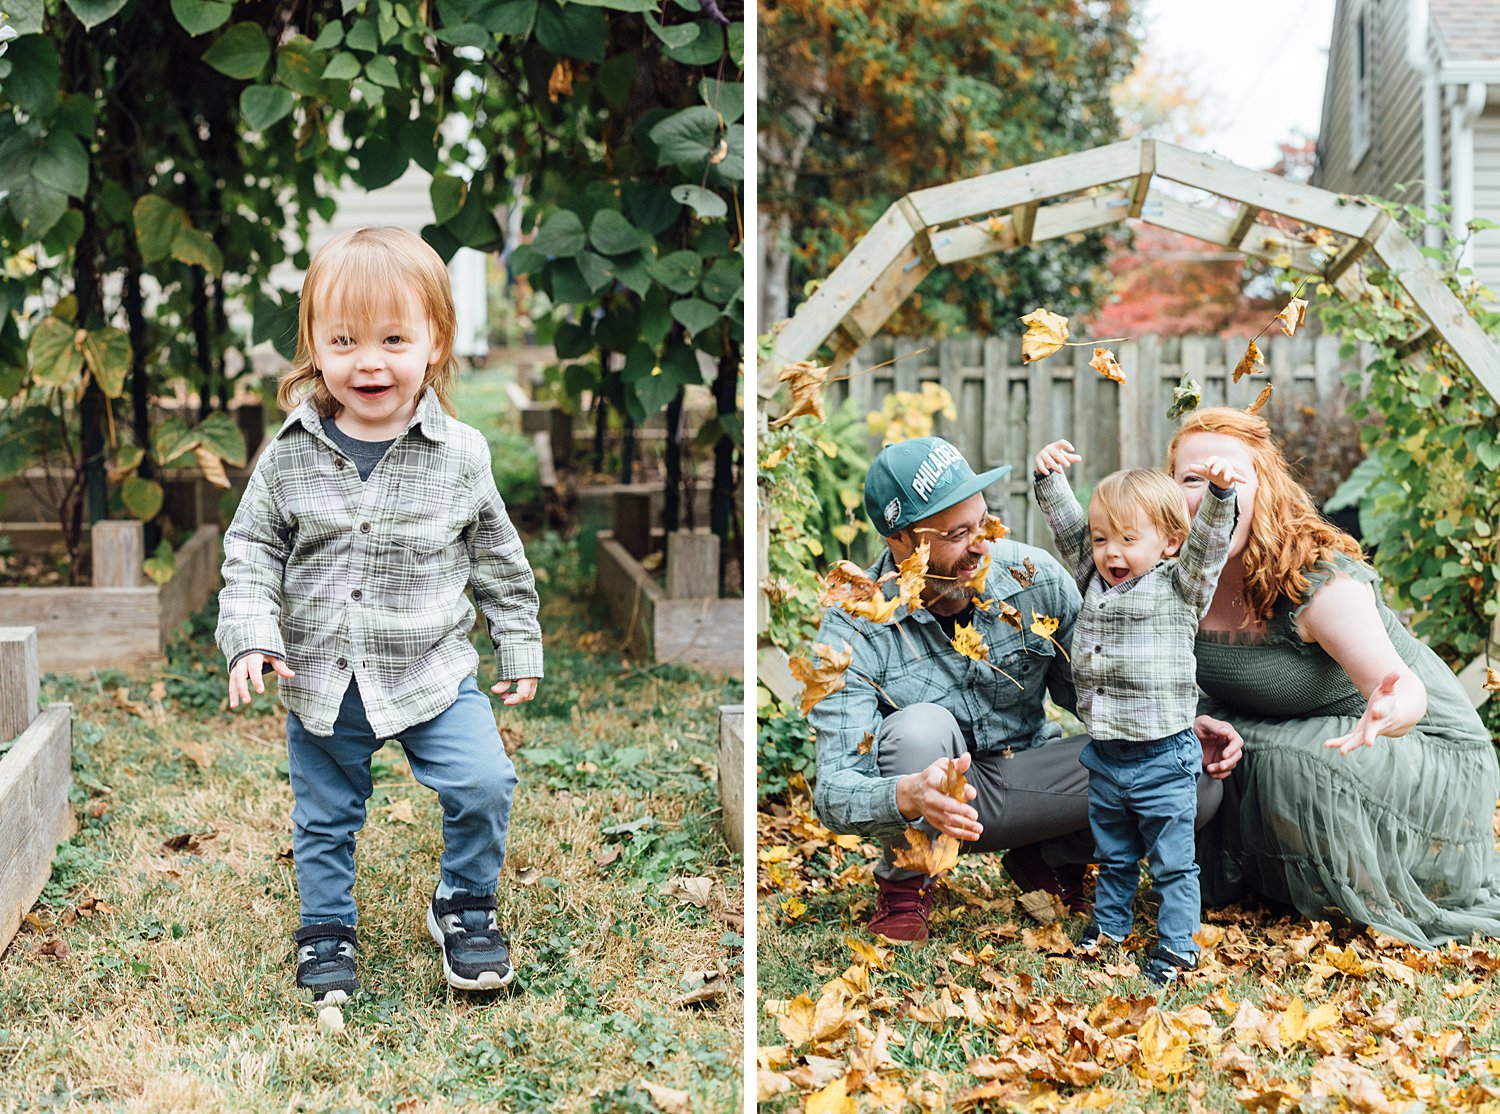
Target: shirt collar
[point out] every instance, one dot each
(429, 418)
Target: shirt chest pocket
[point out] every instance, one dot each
(1024, 668)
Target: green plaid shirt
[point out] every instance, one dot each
(1132, 650)
(913, 661)
(341, 577)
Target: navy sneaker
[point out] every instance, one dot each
(475, 955)
(1097, 944)
(1165, 966)
(325, 962)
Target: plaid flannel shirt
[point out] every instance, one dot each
(917, 663)
(338, 576)
(1132, 650)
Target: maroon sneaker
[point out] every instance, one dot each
(901, 910)
(1029, 871)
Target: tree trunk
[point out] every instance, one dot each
(140, 385)
(671, 513)
(782, 146)
(627, 451)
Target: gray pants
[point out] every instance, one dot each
(1035, 796)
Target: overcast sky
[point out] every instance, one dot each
(1259, 64)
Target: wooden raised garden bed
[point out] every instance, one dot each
(122, 619)
(35, 775)
(701, 631)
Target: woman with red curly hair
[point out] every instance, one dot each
(1368, 783)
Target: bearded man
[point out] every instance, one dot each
(926, 703)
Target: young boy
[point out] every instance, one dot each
(1133, 668)
(367, 516)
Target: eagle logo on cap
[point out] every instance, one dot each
(892, 512)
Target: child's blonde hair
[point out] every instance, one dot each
(1120, 495)
(364, 275)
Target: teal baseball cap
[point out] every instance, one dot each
(912, 480)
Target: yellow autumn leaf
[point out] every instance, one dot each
(776, 456)
(805, 380)
(850, 588)
(793, 907)
(1251, 360)
(560, 84)
(912, 576)
(1292, 315)
(1260, 400)
(994, 529)
(213, 467)
(1046, 332)
(924, 855)
(976, 582)
(832, 1099)
(1105, 364)
(1163, 1048)
(967, 641)
(825, 677)
(1491, 680)
(1046, 627)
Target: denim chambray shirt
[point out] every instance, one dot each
(341, 577)
(918, 664)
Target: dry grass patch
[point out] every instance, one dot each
(173, 909)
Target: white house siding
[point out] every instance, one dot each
(1487, 195)
(1332, 171)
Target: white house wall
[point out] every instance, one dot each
(1487, 195)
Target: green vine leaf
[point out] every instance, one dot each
(264, 105)
(107, 354)
(240, 52)
(142, 498)
(91, 13)
(56, 360)
(198, 17)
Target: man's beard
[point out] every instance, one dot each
(950, 584)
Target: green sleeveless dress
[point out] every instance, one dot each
(1398, 836)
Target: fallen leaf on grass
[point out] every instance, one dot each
(693, 891)
(832, 1099)
(134, 707)
(769, 1084)
(1050, 939)
(513, 738)
(822, 679)
(702, 988)
(401, 810)
(669, 1100)
(1044, 907)
(1354, 1084)
(191, 842)
(330, 1020)
(56, 948)
(528, 876)
(603, 856)
(196, 752)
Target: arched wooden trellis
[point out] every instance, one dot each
(1028, 204)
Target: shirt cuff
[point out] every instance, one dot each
(254, 636)
(1221, 492)
(517, 658)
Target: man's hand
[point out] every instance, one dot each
(1055, 458)
(920, 796)
(1222, 746)
(525, 690)
(246, 672)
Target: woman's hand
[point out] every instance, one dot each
(1055, 458)
(920, 796)
(1380, 714)
(247, 671)
(1222, 746)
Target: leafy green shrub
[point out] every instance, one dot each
(1429, 491)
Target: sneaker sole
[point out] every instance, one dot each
(487, 980)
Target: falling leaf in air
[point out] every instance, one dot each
(1046, 332)
(401, 810)
(824, 678)
(1187, 396)
(1105, 364)
(805, 379)
(1011, 615)
(1251, 360)
(968, 642)
(1491, 680)
(1260, 400)
(912, 578)
(848, 587)
(993, 529)
(976, 582)
(1292, 315)
(1026, 574)
(1046, 626)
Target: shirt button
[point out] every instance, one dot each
(1098, 648)
(1099, 691)
(338, 462)
(354, 595)
(364, 527)
(341, 663)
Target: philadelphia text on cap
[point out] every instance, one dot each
(932, 469)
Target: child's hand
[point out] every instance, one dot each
(1220, 472)
(1055, 457)
(246, 672)
(525, 690)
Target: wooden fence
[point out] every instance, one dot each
(1008, 410)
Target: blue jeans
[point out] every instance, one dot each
(457, 753)
(1142, 801)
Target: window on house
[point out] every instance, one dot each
(1362, 84)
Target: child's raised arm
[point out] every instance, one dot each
(1207, 547)
(1055, 457)
(1069, 524)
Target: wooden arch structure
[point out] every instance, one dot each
(1090, 189)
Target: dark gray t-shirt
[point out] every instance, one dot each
(365, 454)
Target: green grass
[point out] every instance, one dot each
(176, 990)
(1019, 1003)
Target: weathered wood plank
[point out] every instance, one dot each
(1067, 217)
(1038, 181)
(196, 578)
(20, 681)
(1265, 191)
(967, 241)
(732, 774)
(119, 553)
(35, 816)
(87, 628)
(628, 590)
(1023, 218)
(1143, 180)
(1437, 302)
(692, 564)
(887, 293)
(1241, 225)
